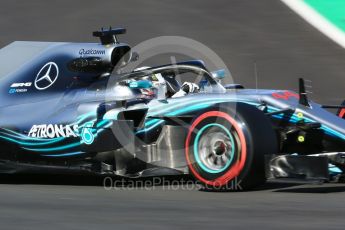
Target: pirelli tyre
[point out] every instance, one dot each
(226, 145)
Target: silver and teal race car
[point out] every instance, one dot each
(65, 108)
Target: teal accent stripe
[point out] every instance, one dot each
(187, 106)
(334, 170)
(332, 10)
(64, 147)
(101, 123)
(63, 154)
(30, 144)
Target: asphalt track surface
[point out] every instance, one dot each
(241, 32)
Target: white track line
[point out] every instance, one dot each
(318, 21)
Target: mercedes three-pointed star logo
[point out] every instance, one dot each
(46, 76)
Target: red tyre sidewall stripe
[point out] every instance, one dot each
(236, 168)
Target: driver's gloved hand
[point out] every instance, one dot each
(186, 88)
(190, 87)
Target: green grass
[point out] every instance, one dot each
(333, 10)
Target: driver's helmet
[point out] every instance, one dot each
(158, 89)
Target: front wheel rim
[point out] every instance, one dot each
(239, 161)
(215, 147)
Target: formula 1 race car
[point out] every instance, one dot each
(66, 109)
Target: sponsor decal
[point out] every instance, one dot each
(47, 76)
(52, 131)
(86, 133)
(12, 91)
(19, 87)
(133, 84)
(286, 95)
(91, 52)
(21, 84)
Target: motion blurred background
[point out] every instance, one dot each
(284, 47)
(242, 32)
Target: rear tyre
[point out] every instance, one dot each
(226, 146)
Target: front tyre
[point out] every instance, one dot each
(226, 144)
